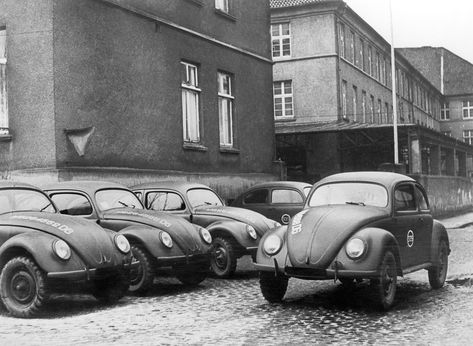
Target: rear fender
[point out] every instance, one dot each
(438, 233)
(378, 241)
(39, 247)
(233, 229)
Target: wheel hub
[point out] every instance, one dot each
(220, 257)
(22, 287)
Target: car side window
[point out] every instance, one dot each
(404, 198)
(72, 203)
(164, 201)
(422, 199)
(256, 197)
(286, 196)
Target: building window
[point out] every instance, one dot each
(363, 105)
(386, 113)
(377, 71)
(445, 111)
(3, 84)
(341, 29)
(468, 136)
(355, 102)
(344, 99)
(447, 133)
(190, 102)
(222, 5)
(281, 40)
(380, 115)
(372, 109)
(225, 109)
(370, 61)
(283, 107)
(352, 46)
(362, 56)
(467, 109)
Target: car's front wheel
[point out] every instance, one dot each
(438, 272)
(384, 286)
(191, 277)
(223, 260)
(23, 287)
(141, 277)
(273, 287)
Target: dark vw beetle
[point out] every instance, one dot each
(235, 231)
(42, 251)
(157, 239)
(277, 200)
(373, 225)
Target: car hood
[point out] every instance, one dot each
(182, 231)
(87, 239)
(315, 235)
(258, 221)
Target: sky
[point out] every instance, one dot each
(419, 23)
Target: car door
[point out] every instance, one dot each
(284, 204)
(257, 200)
(167, 201)
(407, 224)
(425, 224)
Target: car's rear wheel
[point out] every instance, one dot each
(23, 287)
(273, 287)
(438, 273)
(223, 260)
(384, 286)
(141, 277)
(111, 289)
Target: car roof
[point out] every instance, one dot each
(88, 186)
(181, 186)
(296, 184)
(9, 184)
(387, 179)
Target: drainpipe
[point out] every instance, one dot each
(441, 72)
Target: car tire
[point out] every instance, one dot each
(223, 260)
(191, 277)
(111, 289)
(348, 283)
(273, 287)
(384, 286)
(23, 287)
(142, 277)
(438, 272)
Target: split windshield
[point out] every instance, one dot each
(358, 193)
(12, 200)
(202, 198)
(116, 198)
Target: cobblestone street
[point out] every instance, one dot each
(234, 312)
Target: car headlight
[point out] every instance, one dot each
(122, 243)
(251, 232)
(272, 245)
(355, 248)
(62, 250)
(205, 235)
(166, 239)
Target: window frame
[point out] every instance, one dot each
(228, 98)
(54, 193)
(148, 206)
(4, 118)
(190, 87)
(223, 6)
(283, 97)
(280, 40)
(467, 106)
(286, 203)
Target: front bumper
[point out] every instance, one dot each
(87, 274)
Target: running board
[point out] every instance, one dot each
(416, 268)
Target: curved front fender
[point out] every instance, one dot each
(378, 241)
(148, 237)
(39, 246)
(268, 263)
(236, 230)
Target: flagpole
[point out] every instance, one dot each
(393, 79)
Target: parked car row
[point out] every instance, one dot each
(105, 239)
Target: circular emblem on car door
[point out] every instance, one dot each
(285, 219)
(410, 238)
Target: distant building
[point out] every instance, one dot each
(135, 90)
(333, 104)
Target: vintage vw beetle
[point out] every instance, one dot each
(277, 200)
(42, 251)
(157, 239)
(235, 231)
(360, 225)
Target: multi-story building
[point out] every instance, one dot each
(134, 90)
(333, 105)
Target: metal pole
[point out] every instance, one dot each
(393, 79)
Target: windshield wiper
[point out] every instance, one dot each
(203, 204)
(46, 206)
(126, 205)
(356, 203)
